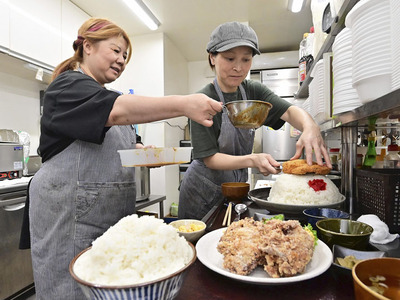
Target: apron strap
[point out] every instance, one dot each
(221, 96)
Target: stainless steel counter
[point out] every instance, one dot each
(153, 199)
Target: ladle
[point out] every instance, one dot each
(240, 208)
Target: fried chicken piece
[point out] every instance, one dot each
(239, 246)
(300, 167)
(288, 248)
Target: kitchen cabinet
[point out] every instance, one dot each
(35, 29)
(349, 123)
(4, 24)
(72, 19)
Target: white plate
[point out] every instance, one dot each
(264, 183)
(209, 256)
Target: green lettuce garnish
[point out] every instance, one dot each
(277, 217)
(311, 231)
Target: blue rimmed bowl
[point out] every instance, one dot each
(315, 214)
(166, 287)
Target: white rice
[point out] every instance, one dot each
(294, 189)
(134, 250)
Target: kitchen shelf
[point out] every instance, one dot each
(327, 46)
(386, 107)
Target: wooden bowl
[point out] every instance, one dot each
(235, 191)
(363, 272)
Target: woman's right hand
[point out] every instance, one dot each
(201, 109)
(265, 163)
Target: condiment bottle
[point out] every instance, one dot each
(370, 156)
(379, 160)
(392, 159)
(334, 155)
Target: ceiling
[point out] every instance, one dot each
(188, 23)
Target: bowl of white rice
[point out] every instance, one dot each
(137, 258)
(291, 194)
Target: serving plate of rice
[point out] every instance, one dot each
(291, 194)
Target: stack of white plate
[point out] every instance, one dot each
(306, 105)
(395, 19)
(345, 97)
(316, 92)
(369, 21)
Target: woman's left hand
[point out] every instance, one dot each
(312, 141)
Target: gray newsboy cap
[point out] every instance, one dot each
(230, 35)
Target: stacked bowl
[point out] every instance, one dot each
(345, 97)
(395, 24)
(316, 94)
(370, 25)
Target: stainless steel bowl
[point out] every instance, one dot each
(248, 114)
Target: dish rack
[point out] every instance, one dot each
(377, 192)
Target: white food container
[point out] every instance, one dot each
(155, 157)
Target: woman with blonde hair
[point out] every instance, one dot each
(82, 189)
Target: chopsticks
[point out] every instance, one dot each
(228, 215)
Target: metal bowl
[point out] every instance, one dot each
(248, 114)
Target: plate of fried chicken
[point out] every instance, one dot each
(266, 253)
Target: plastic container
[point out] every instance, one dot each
(392, 159)
(155, 157)
(378, 193)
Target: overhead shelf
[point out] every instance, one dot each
(327, 46)
(386, 107)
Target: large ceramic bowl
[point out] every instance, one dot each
(192, 236)
(248, 114)
(166, 287)
(235, 191)
(317, 213)
(367, 270)
(344, 232)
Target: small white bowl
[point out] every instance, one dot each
(189, 236)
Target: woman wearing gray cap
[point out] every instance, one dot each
(222, 152)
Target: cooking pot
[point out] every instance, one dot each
(142, 177)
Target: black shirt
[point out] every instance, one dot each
(75, 107)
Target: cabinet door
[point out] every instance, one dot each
(72, 19)
(35, 29)
(4, 24)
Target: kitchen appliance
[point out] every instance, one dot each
(280, 143)
(11, 160)
(16, 276)
(142, 177)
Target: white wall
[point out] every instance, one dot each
(176, 82)
(158, 68)
(20, 106)
(200, 74)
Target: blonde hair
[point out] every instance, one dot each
(93, 30)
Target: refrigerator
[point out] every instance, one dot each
(281, 143)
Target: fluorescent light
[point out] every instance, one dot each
(295, 5)
(144, 13)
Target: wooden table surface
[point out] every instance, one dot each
(203, 283)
